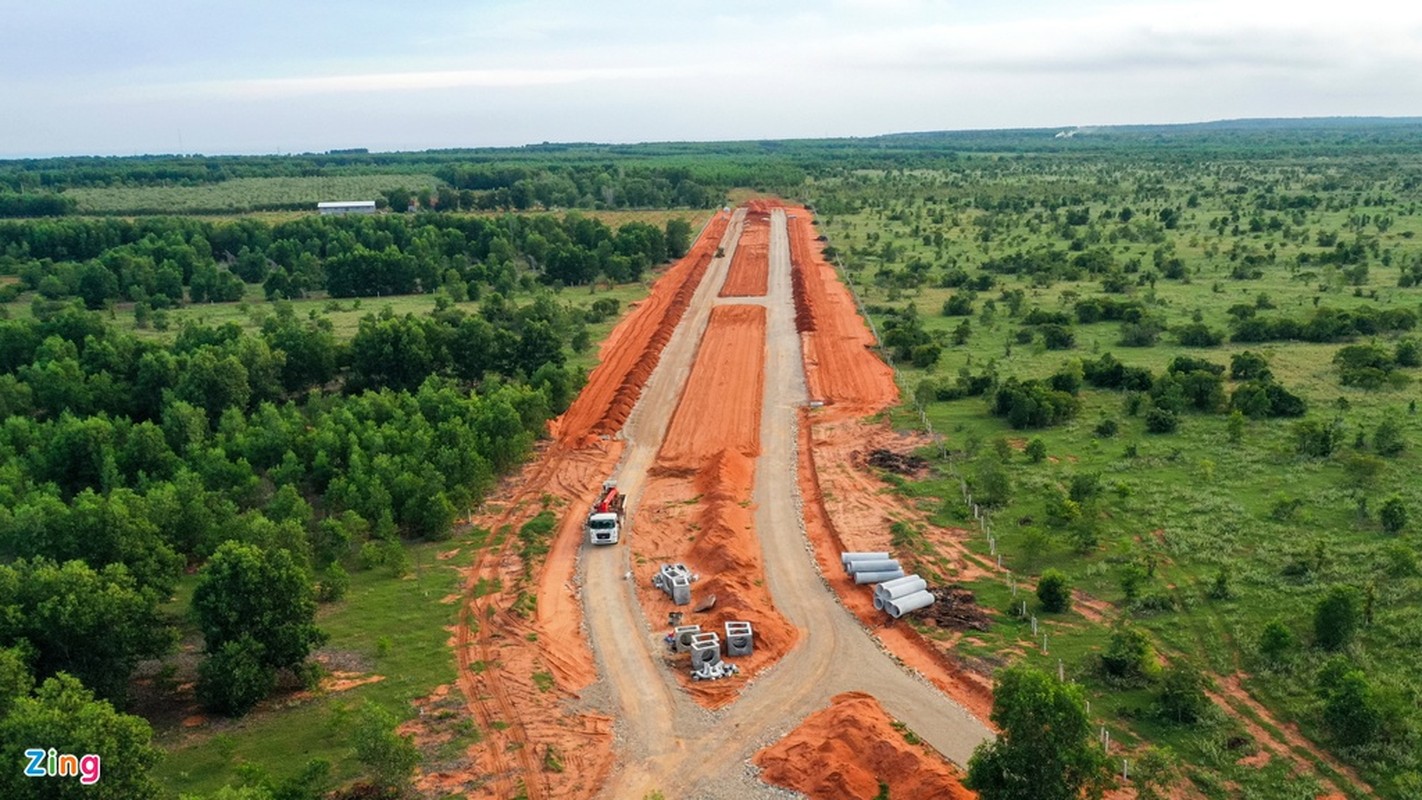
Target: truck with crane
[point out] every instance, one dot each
(604, 525)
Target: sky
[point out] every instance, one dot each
(279, 76)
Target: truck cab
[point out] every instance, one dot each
(604, 523)
(603, 528)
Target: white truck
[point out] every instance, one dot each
(604, 525)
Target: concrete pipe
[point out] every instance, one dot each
(877, 577)
(893, 590)
(876, 565)
(903, 580)
(845, 558)
(913, 602)
(878, 601)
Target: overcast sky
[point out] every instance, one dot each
(264, 76)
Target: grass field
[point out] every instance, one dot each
(240, 195)
(1187, 506)
(388, 626)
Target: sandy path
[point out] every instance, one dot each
(834, 655)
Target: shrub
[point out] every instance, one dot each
(1249, 366)
(1054, 591)
(1036, 451)
(1106, 427)
(1276, 641)
(926, 355)
(959, 305)
(1336, 618)
(1161, 420)
(1198, 335)
(1130, 656)
(1393, 515)
(1182, 694)
(234, 679)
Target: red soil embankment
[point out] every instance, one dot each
(844, 751)
(750, 266)
(846, 506)
(636, 346)
(839, 366)
(720, 404)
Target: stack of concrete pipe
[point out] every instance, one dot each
(870, 568)
(899, 597)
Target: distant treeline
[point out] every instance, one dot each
(152, 260)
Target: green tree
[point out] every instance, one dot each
(1036, 451)
(1046, 750)
(1054, 591)
(234, 679)
(1388, 440)
(95, 625)
(1393, 515)
(1182, 694)
(1336, 617)
(389, 758)
(64, 715)
(1130, 657)
(263, 594)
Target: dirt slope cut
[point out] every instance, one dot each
(839, 366)
(636, 345)
(844, 751)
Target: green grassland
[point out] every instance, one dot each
(1191, 505)
(240, 195)
(390, 626)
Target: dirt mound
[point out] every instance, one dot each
(844, 751)
(614, 386)
(705, 520)
(750, 266)
(838, 366)
(720, 406)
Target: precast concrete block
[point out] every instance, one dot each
(680, 590)
(740, 640)
(681, 637)
(705, 651)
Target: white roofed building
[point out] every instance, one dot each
(347, 207)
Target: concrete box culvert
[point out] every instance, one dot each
(893, 590)
(681, 637)
(740, 640)
(703, 654)
(903, 605)
(680, 590)
(878, 565)
(845, 558)
(877, 577)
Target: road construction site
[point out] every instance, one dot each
(726, 408)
